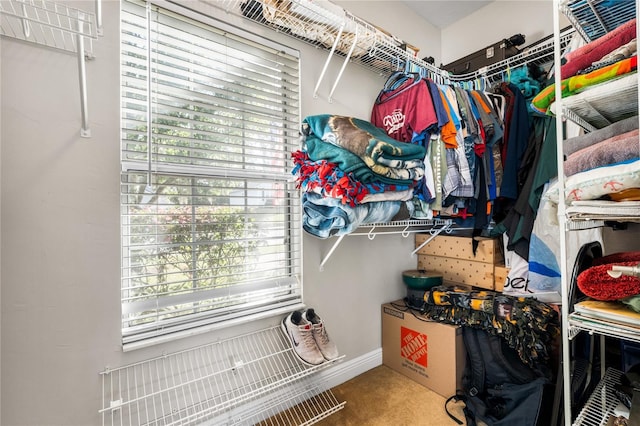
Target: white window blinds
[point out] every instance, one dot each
(210, 215)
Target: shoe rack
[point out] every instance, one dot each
(246, 380)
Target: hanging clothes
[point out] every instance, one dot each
(538, 167)
(516, 144)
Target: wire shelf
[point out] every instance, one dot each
(603, 104)
(304, 405)
(196, 385)
(571, 115)
(327, 25)
(324, 24)
(594, 18)
(602, 402)
(540, 53)
(582, 322)
(48, 24)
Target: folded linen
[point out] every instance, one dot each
(614, 150)
(571, 145)
(325, 178)
(598, 182)
(591, 52)
(572, 85)
(338, 139)
(622, 52)
(604, 210)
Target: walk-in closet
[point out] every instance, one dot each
(332, 212)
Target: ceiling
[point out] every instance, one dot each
(444, 13)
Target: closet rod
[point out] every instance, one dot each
(99, 29)
(85, 132)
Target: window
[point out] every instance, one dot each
(209, 211)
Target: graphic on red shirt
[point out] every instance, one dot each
(394, 121)
(413, 346)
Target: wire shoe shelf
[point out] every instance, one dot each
(205, 384)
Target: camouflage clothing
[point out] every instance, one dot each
(527, 325)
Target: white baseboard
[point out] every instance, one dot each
(330, 377)
(347, 370)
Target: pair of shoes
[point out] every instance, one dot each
(309, 338)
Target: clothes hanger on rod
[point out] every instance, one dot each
(397, 83)
(399, 87)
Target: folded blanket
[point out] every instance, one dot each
(622, 52)
(571, 85)
(324, 217)
(385, 157)
(598, 182)
(614, 150)
(577, 143)
(326, 179)
(405, 195)
(592, 52)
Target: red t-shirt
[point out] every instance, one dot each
(405, 111)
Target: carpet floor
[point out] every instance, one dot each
(383, 397)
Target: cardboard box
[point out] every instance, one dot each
(453, 257)
(430, 353)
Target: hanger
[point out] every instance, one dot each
(398, 83)
(393, 79)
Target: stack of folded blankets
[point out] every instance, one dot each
(615, 143)
(351, 174)
(604, 164)
(604, 59)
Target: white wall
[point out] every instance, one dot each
(59, 200)
(496, 21)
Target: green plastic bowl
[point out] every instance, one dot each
(419, 279)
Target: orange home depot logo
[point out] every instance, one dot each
(413, 346)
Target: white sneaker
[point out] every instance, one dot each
(325, 344)
(300, 333)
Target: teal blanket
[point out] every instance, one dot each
(359, 147)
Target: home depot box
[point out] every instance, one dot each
(453, 257)
(431, 353)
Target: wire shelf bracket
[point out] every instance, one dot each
(402, 227)
(56, 26)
